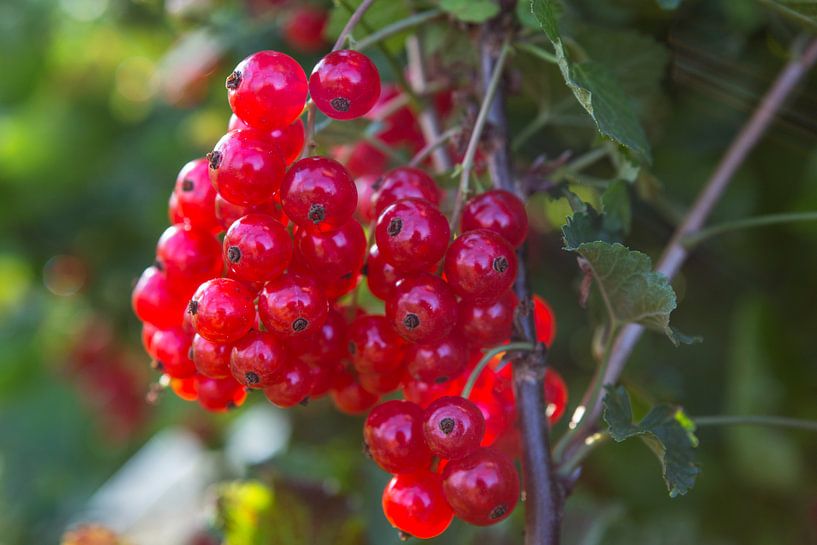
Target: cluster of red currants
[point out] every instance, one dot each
(269, 307)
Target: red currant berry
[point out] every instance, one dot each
(246, 167)
(156, 301)
(480, 265)
(393, 437)
(211, 359)
(319, 194)
(267, 90)
(345, 84)
(422, 309)
(227, 212)
(293, 305)
(188, 256)
(257, 359)
(404, 183)
(414, 503)
(196, 195)
(494, 411)
(323, 377)
(292, 386)
(219, 394)
(328, 345)
(303, 29)
(185, 388)
(453, 427)
(482, 488)
(382, 383)
(257, 248)
(412, 235)
(488, 324)
(424, 393)
(174, 213)
(437, 361)
(222, 310)
(362, 159)
(499, 211)
(341, 252)
(373, 345)
(365, 198)
(172, 349)
(381, 276)
(555, 395)
(545, 321)
(148, 330)
(290, 140)
(349, 396)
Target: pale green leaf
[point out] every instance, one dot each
(471, 11)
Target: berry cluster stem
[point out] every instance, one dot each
(544, 497)
(357, 15)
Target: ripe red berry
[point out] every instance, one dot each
(480, 265)
(341, 252)
(499, 211)
(555, 395)
(292, 385)
(424, 393)
(188, 256)
(318, 194)
(227, 213)
(403, 183)
(246, 167)
(393, 437)
(494, 411)
(373, 345)
(381, 276)
(148, 330)
(437, 361)
(267, 90)
(172, 349)
(349, 396)
(382, 383)
(174, 214)
(156, 301)
(211, 359)
(257, 359)
(219, 394)
(545, 321)
(365, 198)
(323, 377)
(326, 346)
(422, 309)
(196, 195)
(222, 310)
(414, 503)
(303, 29)
(257, 248)
(453, 427)
(185, 388)
(488, 324)
(412, 234)
(482, 488)
(292, 305)
(345, 84)
(290, 140)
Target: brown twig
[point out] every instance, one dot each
(544, 498)
(676, 252)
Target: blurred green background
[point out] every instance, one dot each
(102, 101)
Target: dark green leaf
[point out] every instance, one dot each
(678, 338)
(471, 11)
(668, 432)
(596, 89)
(630, 289)
(669, 4)
(587, 226)
(616, 202)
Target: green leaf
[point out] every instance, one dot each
(596, 89)
(471, 11)
(667, 430)
(587, 226)
(669, 4)
(616, 202)
(802, 12)
(377, 16)
(678, 338)
(630, 289)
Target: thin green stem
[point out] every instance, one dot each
(568, 466)
(429, 148)
(486, 359)
(537, 51)
(311, 145)
(756, 420)
(693, 239)
(397, 27)
(354, 19)
(467, 164)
